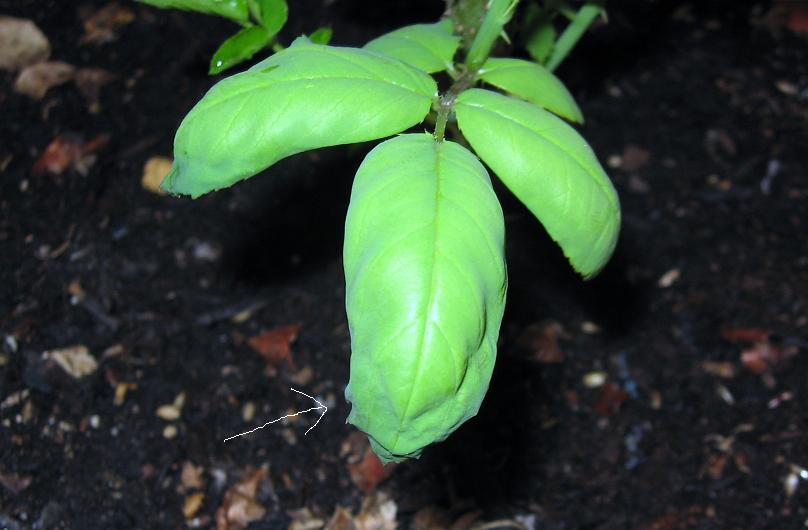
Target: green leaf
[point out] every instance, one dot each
(304, 97)
(232, 9)
(238, 48)
(550, 168)
(426, 281)
(273, 15)
(533, 83)
(321, 36)
(429, 47)
(541, 41)
(499, 13)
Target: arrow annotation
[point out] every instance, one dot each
(319, 406)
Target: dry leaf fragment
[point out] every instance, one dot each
(239, 507)
(67, 151)
(378, 512)
(154, 171)
(274, 345)
(35, 80)
(191, 476)
(192, 504)
(304, 519)
(369, 472)
(341, 520)
(75, 360)
(541, 341)
(90, 80)
(21, 44)
(103, 25)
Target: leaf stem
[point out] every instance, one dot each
(446, 103)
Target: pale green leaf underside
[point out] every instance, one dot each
(550, 168)
(304, 97)
(531, 82)
(428, 47)
(233, 9)
(426, 282)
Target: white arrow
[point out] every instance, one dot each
(319, 406)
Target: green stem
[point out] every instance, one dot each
(567, 41)
(499, 13)
(447, 101)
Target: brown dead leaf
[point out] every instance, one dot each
(192, 477)
(21, 44)
(154, 171)
(192, 504)
(341, 520)
(369, 472)
(634, 157)
(35, 80)
(103, 25)
(737, 335)
(273, 345)
(75, 360)
(67, 151)
(611, 398)
(541, 342)
(89, 81)
(304, 519)
(378, 512)
(239, 507)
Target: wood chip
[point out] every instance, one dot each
(154, 172)
(35, 80)
(75, 360)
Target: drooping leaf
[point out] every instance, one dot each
(533, 83)
(321, 36)
(304, 97)
(550, 168)
(426, 282)
(429, 47)
(233, 9)
(273, 14)
(239, 48)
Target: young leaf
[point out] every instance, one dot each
(426, 281)
(232, 9)
(541, 41)
(533, 83)
(321, 36)
(273, 15)
(304, 97)
(550, 168)
(238, 48)
(499, 13)
(429, 47)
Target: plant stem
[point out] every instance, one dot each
(447, 101)
(567, 41)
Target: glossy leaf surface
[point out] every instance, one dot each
(426, 282)
(304, 97)
(429, 47)
(232, 9)
(238, 48)
(550, 168)
(533, 83)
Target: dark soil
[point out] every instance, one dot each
(712, 263)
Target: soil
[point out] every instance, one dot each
(670, 392)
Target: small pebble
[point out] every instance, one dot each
(170, 432)
(595, 379)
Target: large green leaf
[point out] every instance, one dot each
(232, 9)
(304, 97)
(430, 47)
(532, 82)
(238, 48)
(426, 282)
(550, 168)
